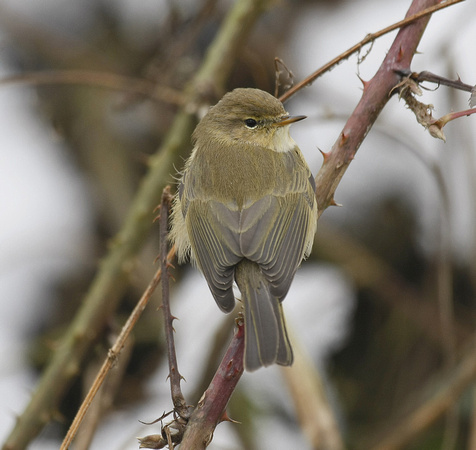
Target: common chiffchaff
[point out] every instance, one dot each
(246, 211)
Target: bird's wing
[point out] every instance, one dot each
(275, 231)
(214, 238)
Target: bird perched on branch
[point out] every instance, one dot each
(246, 211)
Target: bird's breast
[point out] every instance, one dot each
(238, 174)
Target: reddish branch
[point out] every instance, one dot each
(197, 432)
(211, 409)
(376, 94)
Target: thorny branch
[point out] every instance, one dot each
(419, 77)
(376, 93)
(211, 409)
(173, 431)
(197, 433)
(425, 13)
(115, 350)
(178, 399)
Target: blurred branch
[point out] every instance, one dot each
(111, 278)
(311, 402)
(164, 65)
(447, 389)
(98, 79)
(411, 18)
(105, 395)
(370, 272)
(115, 350)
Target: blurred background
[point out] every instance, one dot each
(386, 300)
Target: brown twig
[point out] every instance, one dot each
(115, 350)
(442, 121)
(369, 38)
(180, 406)
(105, 395)
(277, 63)
(419, 77)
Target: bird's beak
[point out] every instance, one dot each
(286, 120)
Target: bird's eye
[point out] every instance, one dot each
(251, 123)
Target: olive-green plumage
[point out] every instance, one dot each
(246, 212)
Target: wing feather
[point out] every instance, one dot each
(214, 252)
(279, 246)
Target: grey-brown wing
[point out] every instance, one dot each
(212, 231)
(274, 234)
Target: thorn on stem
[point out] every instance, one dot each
(400, 54)
(325, 155)
(364, 83)
(226, 418)
(344, 137)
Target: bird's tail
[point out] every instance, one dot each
(266, 338)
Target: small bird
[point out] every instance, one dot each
(246, 211)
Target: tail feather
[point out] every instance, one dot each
(266, 339)
(284, 357)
